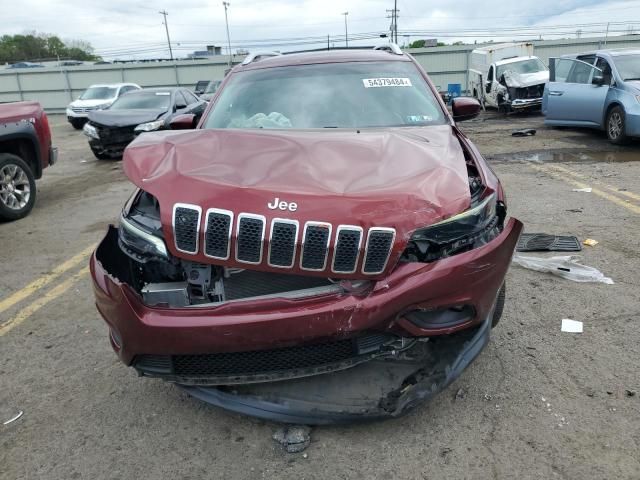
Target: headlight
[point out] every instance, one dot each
(138, 241)
(459, 233)
(102, 106)
(149, 126)
(90, 131)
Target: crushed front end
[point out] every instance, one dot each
(305, 315)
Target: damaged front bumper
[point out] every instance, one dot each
(386, 348)
(376, 390)
(526, 103)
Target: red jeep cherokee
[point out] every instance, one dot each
(326, 246)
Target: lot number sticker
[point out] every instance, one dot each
(386, 82)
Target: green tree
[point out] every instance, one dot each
(32, 46)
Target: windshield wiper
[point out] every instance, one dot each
(632, 78)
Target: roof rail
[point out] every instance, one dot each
(389, 47)
(254, 57)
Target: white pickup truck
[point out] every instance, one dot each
(507, 76)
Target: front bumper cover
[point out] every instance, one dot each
(377, 390)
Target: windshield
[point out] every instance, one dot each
(628, 66)
(144, 101)
(336, 95)
(99, 93)
(532, 65)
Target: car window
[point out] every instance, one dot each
(628, 66)
(99, 93)
(569, 70)
(590, 59)
(213, 86)
(190, 97)
(143, 100)
(335, 95)
(603, 65)
(180, 100)
(490, 74)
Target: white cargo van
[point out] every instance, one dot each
(507, 76)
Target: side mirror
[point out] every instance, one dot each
(465, 108)
(598, 80)
(184, 121)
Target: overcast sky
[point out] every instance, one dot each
(130, 28)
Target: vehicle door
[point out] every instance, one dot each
(490, 88)
(575, 94)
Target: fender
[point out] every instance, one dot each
(25, 131)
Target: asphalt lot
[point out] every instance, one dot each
(537, 403)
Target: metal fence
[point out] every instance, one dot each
(55, 87)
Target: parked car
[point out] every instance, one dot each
(111, 129)
(507, 76)
(597, 90)
(325, 246)
(201, 86)
(96, 97)
(211, 90)
(25, 65)
(25, 151)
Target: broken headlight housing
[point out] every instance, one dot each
(140, 232)
(460, 233)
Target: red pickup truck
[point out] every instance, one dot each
(25, 150)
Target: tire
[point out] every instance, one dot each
(616, 125)
(99, 155)
(17, 187)
(497, 313)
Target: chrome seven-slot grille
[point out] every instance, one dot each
(284, 237)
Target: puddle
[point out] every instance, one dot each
(571, 156)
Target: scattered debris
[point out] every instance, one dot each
(487, 397)
(562, 266)
(460, 394)
(571, 326)
(630, 393)
(525, 132)
(539, 242)
(590, 242)
(444, 451)
(574, 210)
(294, 438)
(585, 190)
(13, 419)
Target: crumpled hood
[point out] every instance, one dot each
(124, 118)
(403, 178)
(519, 80)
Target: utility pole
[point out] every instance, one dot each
(393, 29)
(328, 47)
(346, 32)
(226, 20)
(166, 27)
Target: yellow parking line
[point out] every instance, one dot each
(45, 279)
(33, 307)
(635, 196)
(595, 191)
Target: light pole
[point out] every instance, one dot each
(226, 20)
(346, 32)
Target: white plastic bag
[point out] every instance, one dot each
(563, 266)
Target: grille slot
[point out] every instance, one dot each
(315, 246)
(282, 242)
(379, 243)
(218, 233)
(250, 237)
(345, 255)
(186, 227)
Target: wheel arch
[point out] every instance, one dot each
(21, 140)
(610, 107)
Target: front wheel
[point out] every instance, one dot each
(616, 126)
(17, 187)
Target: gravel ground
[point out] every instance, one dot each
(537, 403)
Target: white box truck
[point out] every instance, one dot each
(507, 76)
